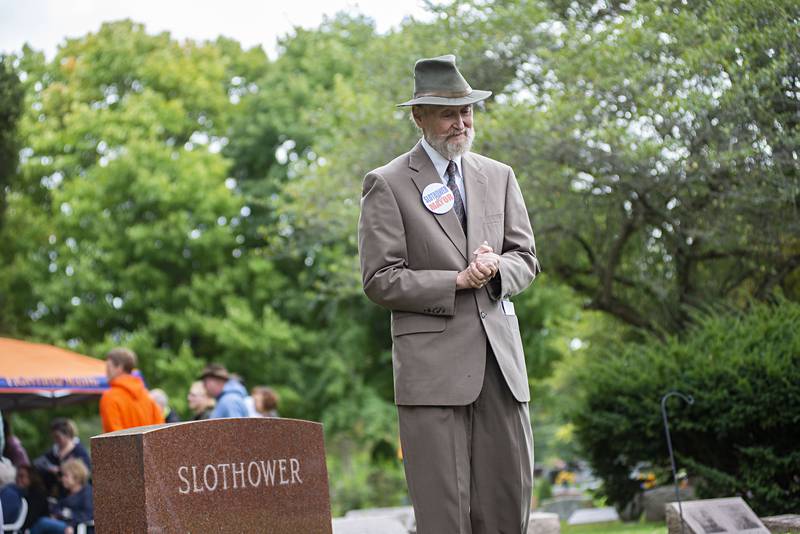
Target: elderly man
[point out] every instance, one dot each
(445, 241)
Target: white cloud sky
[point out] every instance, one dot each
(44, 24)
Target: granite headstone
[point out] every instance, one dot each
(715, 516)
(224, 476)
(654, 501)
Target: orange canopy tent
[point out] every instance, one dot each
(37, 376)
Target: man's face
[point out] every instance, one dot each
(213, 385)
(447, 128)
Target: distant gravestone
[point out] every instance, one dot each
(586, 516)
(654, 500)
(222, 476)
(715, 516)
(565, 506)
(402, 514)
(544, 523)
(368, 525)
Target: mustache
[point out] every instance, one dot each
(463, 131)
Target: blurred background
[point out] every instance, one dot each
(184, 178)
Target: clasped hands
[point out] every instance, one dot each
(480, 270)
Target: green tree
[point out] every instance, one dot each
(11, 99)
(738, 438)
(655, 145)
(11, 94)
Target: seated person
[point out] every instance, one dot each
(77, 507)
(30, 484)
(10, 495)
(13, 450)
(66, 445)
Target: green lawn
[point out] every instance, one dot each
(613, 528)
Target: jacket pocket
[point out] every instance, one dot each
(494, 218)
(416, 323)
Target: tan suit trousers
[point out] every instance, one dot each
(469, 468)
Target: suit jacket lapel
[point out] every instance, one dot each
(475, 184)
(425, 174)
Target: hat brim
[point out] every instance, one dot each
(474, 96)
(213, 375)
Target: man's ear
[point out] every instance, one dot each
(417, 113)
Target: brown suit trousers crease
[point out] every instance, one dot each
(469, 467)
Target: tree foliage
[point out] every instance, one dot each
(659, 142)
(740, 435)
(11, 95)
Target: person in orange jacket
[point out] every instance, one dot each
(127, 403)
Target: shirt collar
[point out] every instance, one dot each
(439, 161)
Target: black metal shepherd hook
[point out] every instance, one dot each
(689, 400)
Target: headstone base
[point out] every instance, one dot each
(782, 524)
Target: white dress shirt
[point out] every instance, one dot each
(441, 163)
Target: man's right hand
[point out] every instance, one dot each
(475, 276)
(480, 271)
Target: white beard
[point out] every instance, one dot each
(452, 149)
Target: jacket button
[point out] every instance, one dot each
(483, 315)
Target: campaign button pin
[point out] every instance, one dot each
(438, 198)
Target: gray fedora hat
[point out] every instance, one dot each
(438, 82)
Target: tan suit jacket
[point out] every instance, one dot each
(410, 258)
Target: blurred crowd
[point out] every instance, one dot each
(53, 493)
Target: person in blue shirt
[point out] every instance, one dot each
(229, 392)
(77, 507)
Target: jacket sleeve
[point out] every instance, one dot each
(518, 262)
(110, 414)
(385, 275)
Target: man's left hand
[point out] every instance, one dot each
(485, 257)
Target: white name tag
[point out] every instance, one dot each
(508, 307)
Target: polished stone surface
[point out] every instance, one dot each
(223, 476)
